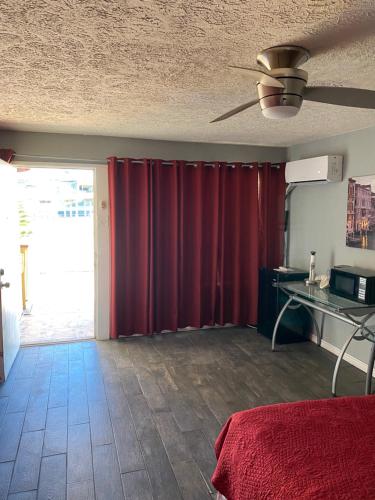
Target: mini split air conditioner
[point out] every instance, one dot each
(318, 170)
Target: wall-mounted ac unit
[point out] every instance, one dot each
(318, 170)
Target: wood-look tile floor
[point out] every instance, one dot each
(137, 418)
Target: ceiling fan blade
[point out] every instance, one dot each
(235, 111)
(262, 77)
(341, 96)
(351, 29)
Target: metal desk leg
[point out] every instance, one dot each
(370, 369)
(339, 359)
(322, 326)
(317, 329)
(278, 321)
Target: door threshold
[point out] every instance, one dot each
(54, 342)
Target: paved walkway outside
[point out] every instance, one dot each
(62, 308)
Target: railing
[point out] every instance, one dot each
(24, 269)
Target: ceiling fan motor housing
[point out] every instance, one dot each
(282, 87)
(283, 56)
(284, 102)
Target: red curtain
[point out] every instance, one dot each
(271, 214)
(237, 297)
(6, 154)
(185, 245)
(131, 249)
(164, 246)
(199, 190)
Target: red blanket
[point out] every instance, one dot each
(311, 449)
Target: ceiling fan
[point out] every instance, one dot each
(282, 86)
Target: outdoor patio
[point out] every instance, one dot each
(62, 308)
(56, 230)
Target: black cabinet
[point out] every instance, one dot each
(296, 323)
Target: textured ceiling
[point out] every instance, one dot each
(158, 68)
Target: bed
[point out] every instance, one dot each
(321, 449)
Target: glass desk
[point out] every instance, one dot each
(349, 311)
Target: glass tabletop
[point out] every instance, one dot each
(324, 296)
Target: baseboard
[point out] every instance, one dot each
(361, 365)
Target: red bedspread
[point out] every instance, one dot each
(311, 449)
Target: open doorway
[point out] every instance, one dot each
(56, 228)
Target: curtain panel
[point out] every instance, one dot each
(238, 249)
(272, 188)
(6, 154)
(185, 244)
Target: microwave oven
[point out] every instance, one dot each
(353, 283)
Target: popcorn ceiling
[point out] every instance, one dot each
(158, 69)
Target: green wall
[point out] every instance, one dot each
(99, 148)
(318, 218)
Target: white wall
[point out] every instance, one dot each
(318, 218)
(99, 148)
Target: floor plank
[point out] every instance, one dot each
(152, 392)
(79, 462)
(58, 394)
(107, 477)
(202, 453)
(23, 495)
(142, 415)
(83, 490)
(56, 433)
(127, 445)
(95, 386)
(28, 363)
(19, 397)
(27, 466)
(60, 364)
(36, 413)
(52, 483)
(3, 407)
(163, 481)
(10, 435)
(183, 412)
(78, 410)
(173, 439)
(6, 470)
(191, 481)
(129, 381)
(116, 399)
(137, 485)
(100, 424)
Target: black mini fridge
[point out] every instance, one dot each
(295, 325)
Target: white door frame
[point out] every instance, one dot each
(101, 239)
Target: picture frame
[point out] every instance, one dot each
(360, 213)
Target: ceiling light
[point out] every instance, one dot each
(280, 112)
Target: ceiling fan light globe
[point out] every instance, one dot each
(280, 106)
(280, 112)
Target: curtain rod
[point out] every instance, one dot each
(140, 162)
(194, 163)
(60, 159)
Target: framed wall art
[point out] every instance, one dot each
(360, 218)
